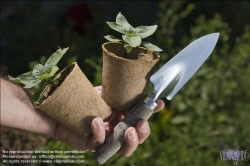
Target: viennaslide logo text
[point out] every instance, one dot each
(234, 155)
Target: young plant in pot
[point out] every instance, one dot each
(67, 96)
(127, 64)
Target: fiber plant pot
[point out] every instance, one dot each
(125, 77)
(73, 102)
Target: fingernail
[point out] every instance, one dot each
(132, 135)
(98, 124)
(144, 128)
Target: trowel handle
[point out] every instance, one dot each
(115, 140)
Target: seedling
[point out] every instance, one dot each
(132, 37)
(41, 75)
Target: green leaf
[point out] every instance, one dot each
(37, 96)
(128, 48)
(117, 27)
(112, 38)
(51, 73)
(151, 46)
(57, 76)
(122, 21)
(54, 59)
(16, 80)
(38, 92)
(24, 78)
(38, 69)
(145, 31)
(32, 83)
(132, 40)
(27, 79)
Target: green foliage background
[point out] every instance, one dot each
(209, 114)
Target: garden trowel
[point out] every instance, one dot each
(167, 81)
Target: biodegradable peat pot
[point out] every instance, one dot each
(74, 102)
(125, 79)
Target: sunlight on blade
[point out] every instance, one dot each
(170, 78)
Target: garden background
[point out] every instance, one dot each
(209, 114)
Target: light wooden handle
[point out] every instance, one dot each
(115, 140)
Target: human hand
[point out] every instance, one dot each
(19, 112)
(133, 135)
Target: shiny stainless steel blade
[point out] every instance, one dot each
(170, 78)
